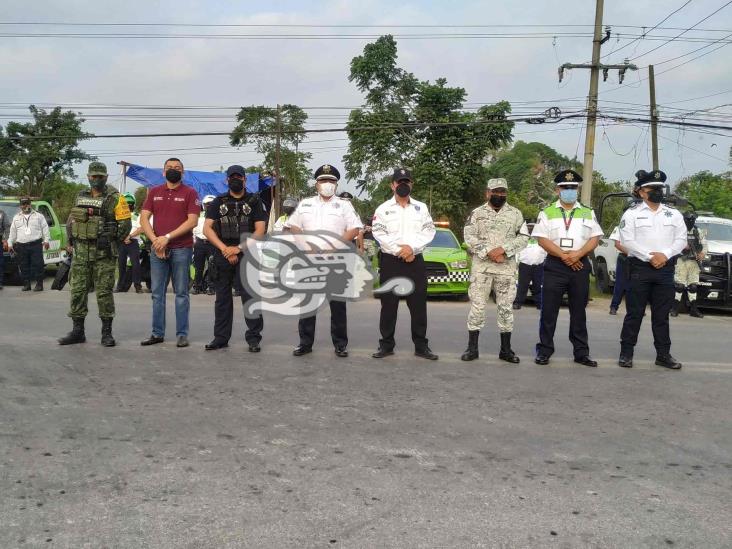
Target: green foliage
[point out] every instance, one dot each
(446, 160)
(708, 192)
(27, 165)
(262, 120)
(140, 196)
(61, 194)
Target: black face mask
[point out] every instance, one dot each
(236, 185)
(288, 211)
(98, 184)
(497, 201)
(655, 196)
(174, 176)
(403, 189)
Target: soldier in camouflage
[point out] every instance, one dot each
(686, 275)
(495, 233)
(99, 221)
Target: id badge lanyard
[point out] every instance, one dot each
(569, 242)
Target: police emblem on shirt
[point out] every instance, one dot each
(223, 210)
(668, 213)
(622, 223)
(416, 208)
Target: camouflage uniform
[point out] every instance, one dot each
(93, 267)
(686, 274)
(488, 229)
(97, 225)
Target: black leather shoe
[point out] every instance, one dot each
(381, 353)
(216, 345)
(195, 290)
(38, 287)
(26, 287)
(341, 352)
(516, 306)
(182, 341)
(254, 348)
(586, 361)
(625, 361)
(302, 350)
(426, 353)
(613, 311)
(667, 361)
(210, 291)
(152, 340)
(542, 359)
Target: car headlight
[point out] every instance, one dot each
(462, 264)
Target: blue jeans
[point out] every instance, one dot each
(179, 265)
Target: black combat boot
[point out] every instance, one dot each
(694, 311)
(675, 308)
(507, 353)
(107, 339)
(76, 335)
(471, 353)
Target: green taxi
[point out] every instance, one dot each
(447, 264)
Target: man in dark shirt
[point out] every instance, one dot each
(228, 217)
(174, 208)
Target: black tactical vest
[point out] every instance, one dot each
(236, 218)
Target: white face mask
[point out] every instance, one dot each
(326, 189)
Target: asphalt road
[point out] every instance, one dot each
(165, 447)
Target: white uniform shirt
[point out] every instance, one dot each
(198, 229)
(554, 227)
(394, 226)
(615, 235)
(315, 214)
(28, 228)
(643, 231)
(532, 254)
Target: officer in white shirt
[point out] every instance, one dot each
(29, 236)
(568, 231)
(403, 228)
(325, 212)
(530, 271)
(202, 251)
(654, 235)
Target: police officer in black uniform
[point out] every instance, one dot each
(228, 217)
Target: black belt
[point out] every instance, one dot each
(38, 241)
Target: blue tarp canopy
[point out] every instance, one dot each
(204, 182)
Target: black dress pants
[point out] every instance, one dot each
(648, 285)
(392, 267)
(558, 280)
(225, 274)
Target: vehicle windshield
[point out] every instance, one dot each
(443, 239)
(716, 231)
(10, 210)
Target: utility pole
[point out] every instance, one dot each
(278, 189)
(597, 41)
(654, 116)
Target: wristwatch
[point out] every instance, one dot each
(167, 236)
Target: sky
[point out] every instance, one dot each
(313, 73)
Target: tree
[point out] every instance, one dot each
(259, 125)
(26, 165)
(708, 191)
(61, 194)
(423, 126)
(140, 196)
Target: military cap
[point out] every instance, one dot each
(235, 170)
(402, 174)
(646, 179)
(497, 183)
(289, 202)
(345, 195)
(326, 171)
(25, 200)
(567, 178)
(97, 168)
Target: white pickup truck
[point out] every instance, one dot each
(715, 286)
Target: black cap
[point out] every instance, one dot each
(235, 170)
(566, 178)
(25, 200)
(646, 179)
(346, 195)
(326, 171)
(402, 173)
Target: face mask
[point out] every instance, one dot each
(25, 209)
(403, 189)
(497, 201)
(174, 176)
(236, 185)
(288, 211)
(327, 189)
(655, 196)
(568, 196)
(98, 183)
